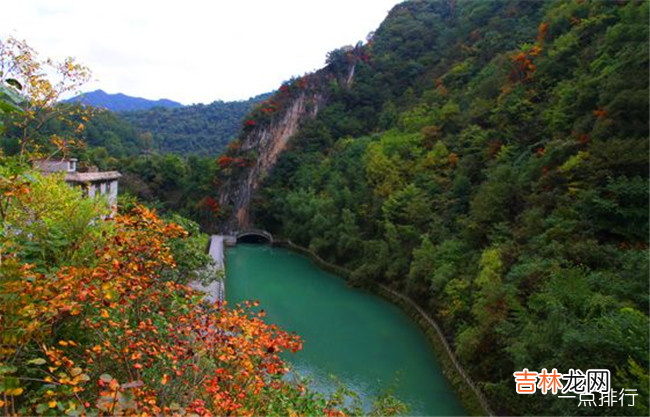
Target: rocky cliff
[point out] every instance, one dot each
(267, 132)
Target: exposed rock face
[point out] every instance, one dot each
(267, 142)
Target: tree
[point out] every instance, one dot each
(41, 85)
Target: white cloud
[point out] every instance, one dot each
(192, 51)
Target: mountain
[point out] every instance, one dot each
(121, 102)
(200, 128)
(489, 160)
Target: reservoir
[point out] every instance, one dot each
(367, 343)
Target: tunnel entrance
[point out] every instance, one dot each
(254, 236)
(260, 240)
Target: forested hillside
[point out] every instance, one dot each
(490, 160)
(201, 129)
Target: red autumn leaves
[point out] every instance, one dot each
(118, 338)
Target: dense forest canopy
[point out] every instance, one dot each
(491, 161)
(201, 129)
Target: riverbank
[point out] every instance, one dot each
(470, 396)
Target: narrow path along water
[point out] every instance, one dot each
(370, 345)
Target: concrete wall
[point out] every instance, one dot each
(112, 194)
(107, 189)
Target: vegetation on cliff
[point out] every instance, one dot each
(490, 159)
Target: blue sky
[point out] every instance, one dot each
(192, 51)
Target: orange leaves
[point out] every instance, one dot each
(144, 328)
(165, 379)
(226, 162)
(524, 67)
(600, 113)
(268, 106)
(440, 86)
(542, 31)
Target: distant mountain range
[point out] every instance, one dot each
(121, 102)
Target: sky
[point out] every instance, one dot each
(192, 51)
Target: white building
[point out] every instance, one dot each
(95, 183)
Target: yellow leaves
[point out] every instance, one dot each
(127, 324)
(22, 64)
(14, 392)
(109, 292)
(71, 407)
(79, 379)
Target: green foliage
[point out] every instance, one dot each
(9, 99)
(491, 160)
(54, 226)
(197, 129)
(190, 252)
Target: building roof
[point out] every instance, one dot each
(92, 176)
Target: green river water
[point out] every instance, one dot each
(370, 345)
